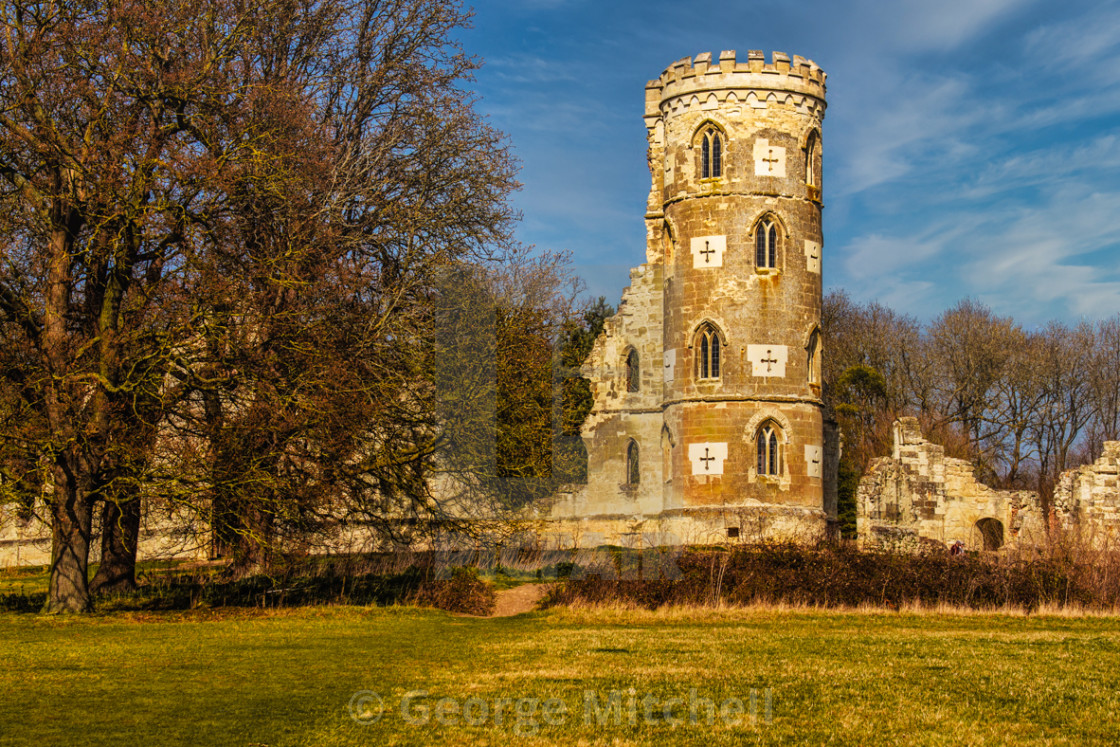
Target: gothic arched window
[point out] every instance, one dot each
(766, 243)
(666, 455)
(707, 349)
(814, 357)
(711, 154)
(769, 449)
(812, 148)
(633, 473)
(632, 371)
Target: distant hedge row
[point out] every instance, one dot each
(842, 574)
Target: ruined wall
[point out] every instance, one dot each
(621, 416)
(1087, 500)
(919, 495)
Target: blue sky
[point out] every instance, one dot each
(971, 147)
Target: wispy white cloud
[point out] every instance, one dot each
(902, 295)
(1033, 262)
(914, 115)
(1048, 166)
(1056, 104)
(546, 4)
(876, 255)
(530, 69)
(920, 25)
(1088, 42)
(535, 113)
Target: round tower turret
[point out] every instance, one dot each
(707, 420)
(734, 217)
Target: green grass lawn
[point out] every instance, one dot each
(34, 579)
(31, 579)
(241, 677)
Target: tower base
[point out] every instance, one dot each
(701, 525)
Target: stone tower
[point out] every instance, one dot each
(708, 420)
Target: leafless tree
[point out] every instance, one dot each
(971, 347)
(1105, 383)
(1065, 358)
(209, 206)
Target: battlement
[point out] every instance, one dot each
(690, 76)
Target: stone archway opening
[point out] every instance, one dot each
(991, 533)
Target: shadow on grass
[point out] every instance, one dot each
(314, 582)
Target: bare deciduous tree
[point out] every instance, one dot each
(233, 211)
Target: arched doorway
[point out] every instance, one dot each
(991, 533)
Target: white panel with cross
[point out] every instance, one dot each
(767, 360)
(769, 160)
(813, 256)
(813, 455)
(707, 458)
(707, 251)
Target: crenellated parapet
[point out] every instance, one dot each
(768, 113)
(700, 81)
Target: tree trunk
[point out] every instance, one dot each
(242, 533)
(120, 532)
(252, 542)
(72, 522)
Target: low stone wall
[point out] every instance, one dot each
(570, 521)
(571, 524)
(163, 536)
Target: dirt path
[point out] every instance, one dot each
(519, 599)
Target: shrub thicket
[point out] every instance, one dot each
(464, 592)
(844, 575)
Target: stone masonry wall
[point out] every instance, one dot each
(919, 495)
(163, 536)
(1087, 500)
(620, 416)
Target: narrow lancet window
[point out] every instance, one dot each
(766, 244)
(633, 381)
(708, 347)
(633, 473)
(814, 358)
(711, 154)
(769, 462)
(811, 161)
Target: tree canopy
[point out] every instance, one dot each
(222, 226)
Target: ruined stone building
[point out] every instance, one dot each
(708, 421)
(917, 495)
(1087, 500)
